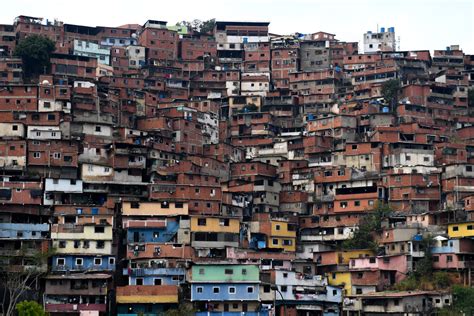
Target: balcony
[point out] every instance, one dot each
(154, 271)
(75, 307)
(152, 223)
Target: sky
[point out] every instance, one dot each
(420, 24)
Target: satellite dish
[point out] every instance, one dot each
(45, 82)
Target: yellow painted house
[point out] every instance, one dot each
(345, 256)
(150, 294)
(459, 230)
(82, 239)
(215, 225)
(341, 278)
(282, 235)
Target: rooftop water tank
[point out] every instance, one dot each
(382, 30)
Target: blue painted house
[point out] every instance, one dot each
(82, 263)
(155, 276)
(154, 234)
(23, 231)
(226, 288)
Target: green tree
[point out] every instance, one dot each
(207, 27)
(35, 51)
(21, 282)
(390, 92)
(182, 310)
(369, 227)
(470, 98)
(462, 302)
(424, 267)
(196, 25)
(30, 308)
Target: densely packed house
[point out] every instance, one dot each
(154, 166)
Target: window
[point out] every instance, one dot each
(201, 271)
(469, 168)
(231, 290)
(199, 289)
(62, 244)
(287, 242)
(275, 241)
(469, 227)
(139, 281)
(78, 261)
(224, 222)
(97, 261)
(14, 127)
(449, 258)
(244, 271)
(435, 258)
(201, 222)
(229, 271)
(249, 289)
(356, 203)
(100, 244)
(216, 290)
(36, 155)
(99, 229)
(157, 281)
(358, 291)
(60, 261)
(283, 288)
(455, 228)
(98, 128)
(111, 261)
(277, 227)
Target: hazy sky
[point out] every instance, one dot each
(420, 24)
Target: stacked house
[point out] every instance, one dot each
(152, 168)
